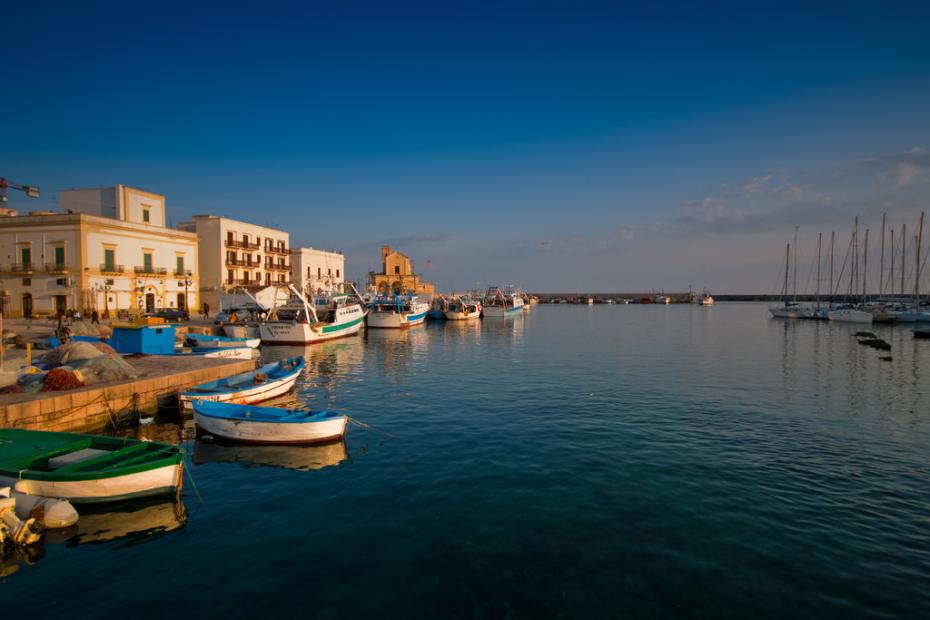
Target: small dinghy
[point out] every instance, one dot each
(87, 468)
(268, 425)
(199, 341)
(233, 353)
(246, 388)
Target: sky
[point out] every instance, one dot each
(560, 146)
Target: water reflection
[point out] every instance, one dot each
(131, 522)
(300, 458)
(393, 349)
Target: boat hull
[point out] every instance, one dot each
(395, 320)
(158, 481)
(277, 433)
(233, 353)
(850, 316)
(292, 333)
(453, 315)
(502, 311)
(249, 396)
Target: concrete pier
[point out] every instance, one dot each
(91, 408)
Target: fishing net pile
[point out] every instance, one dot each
(77, 364)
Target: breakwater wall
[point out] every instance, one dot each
(686, 297)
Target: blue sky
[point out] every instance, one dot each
(559, 145)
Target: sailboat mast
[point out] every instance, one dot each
(920, 238)
(881, 260)
(787, 262)
(891, 275)
(853, 275)
(865, 264)
(903, 254)
(795, 277)
(832, 240)
(819, 245)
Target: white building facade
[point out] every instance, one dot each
(236, 254)
(317, 271)
(108, 250)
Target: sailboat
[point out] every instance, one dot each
(848, 313)
(789, 309)
(300, 323)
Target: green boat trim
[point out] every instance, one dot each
(341, 326)
(25, 455)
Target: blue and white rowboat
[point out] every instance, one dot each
(201, 341)
(268, 425)
(265, 382)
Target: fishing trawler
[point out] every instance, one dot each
(497, 303)
(461, 309)
(300, 323)
(397, 312)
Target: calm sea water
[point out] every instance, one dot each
(605, 461)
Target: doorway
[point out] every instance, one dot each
(150, 302)
(182, 301)
(27, 305)
(61, 304)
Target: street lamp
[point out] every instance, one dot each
(187, 283)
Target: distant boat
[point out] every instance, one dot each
(462, 309)
(706, 299)
(268, 425)
(397, 312)
(299, 323)
(201, 341)
(437, 308)
(87, 468)
(497, 303)
(250, 387)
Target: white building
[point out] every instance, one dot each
(107, 250)
(315, 271)
(236, 254)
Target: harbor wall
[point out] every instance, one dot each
(93, 408)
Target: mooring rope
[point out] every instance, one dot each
(369, 427)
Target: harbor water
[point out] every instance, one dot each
(604, 461)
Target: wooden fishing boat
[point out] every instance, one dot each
(268, 425)
(462, 309)
(255, 386)
(301, 323)
(87, 468)
(437, 308)
(397, 312)
(497, 303)
(233, 353)
(201, 341)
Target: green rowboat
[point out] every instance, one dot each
(87, 468)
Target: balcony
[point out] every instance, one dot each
(21, 267)
(238, 262)
(273, 249)
(183, 273)
(245, 245)
(57, 268)
(151, 271)
(278, 267)
(111, 268)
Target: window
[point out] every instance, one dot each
(308, 272)
(319, 272)
(329, 272)
(109, 259)
(230, 237)
(25, 256)
(59, 256)
(230, 276)
(147, 262)
(145, 216)
(337, 273)
(268, 278)
(27, 281)
(397, 269)
(180, 265)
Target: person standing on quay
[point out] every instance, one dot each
(95, 318)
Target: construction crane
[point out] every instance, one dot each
(30, 190)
